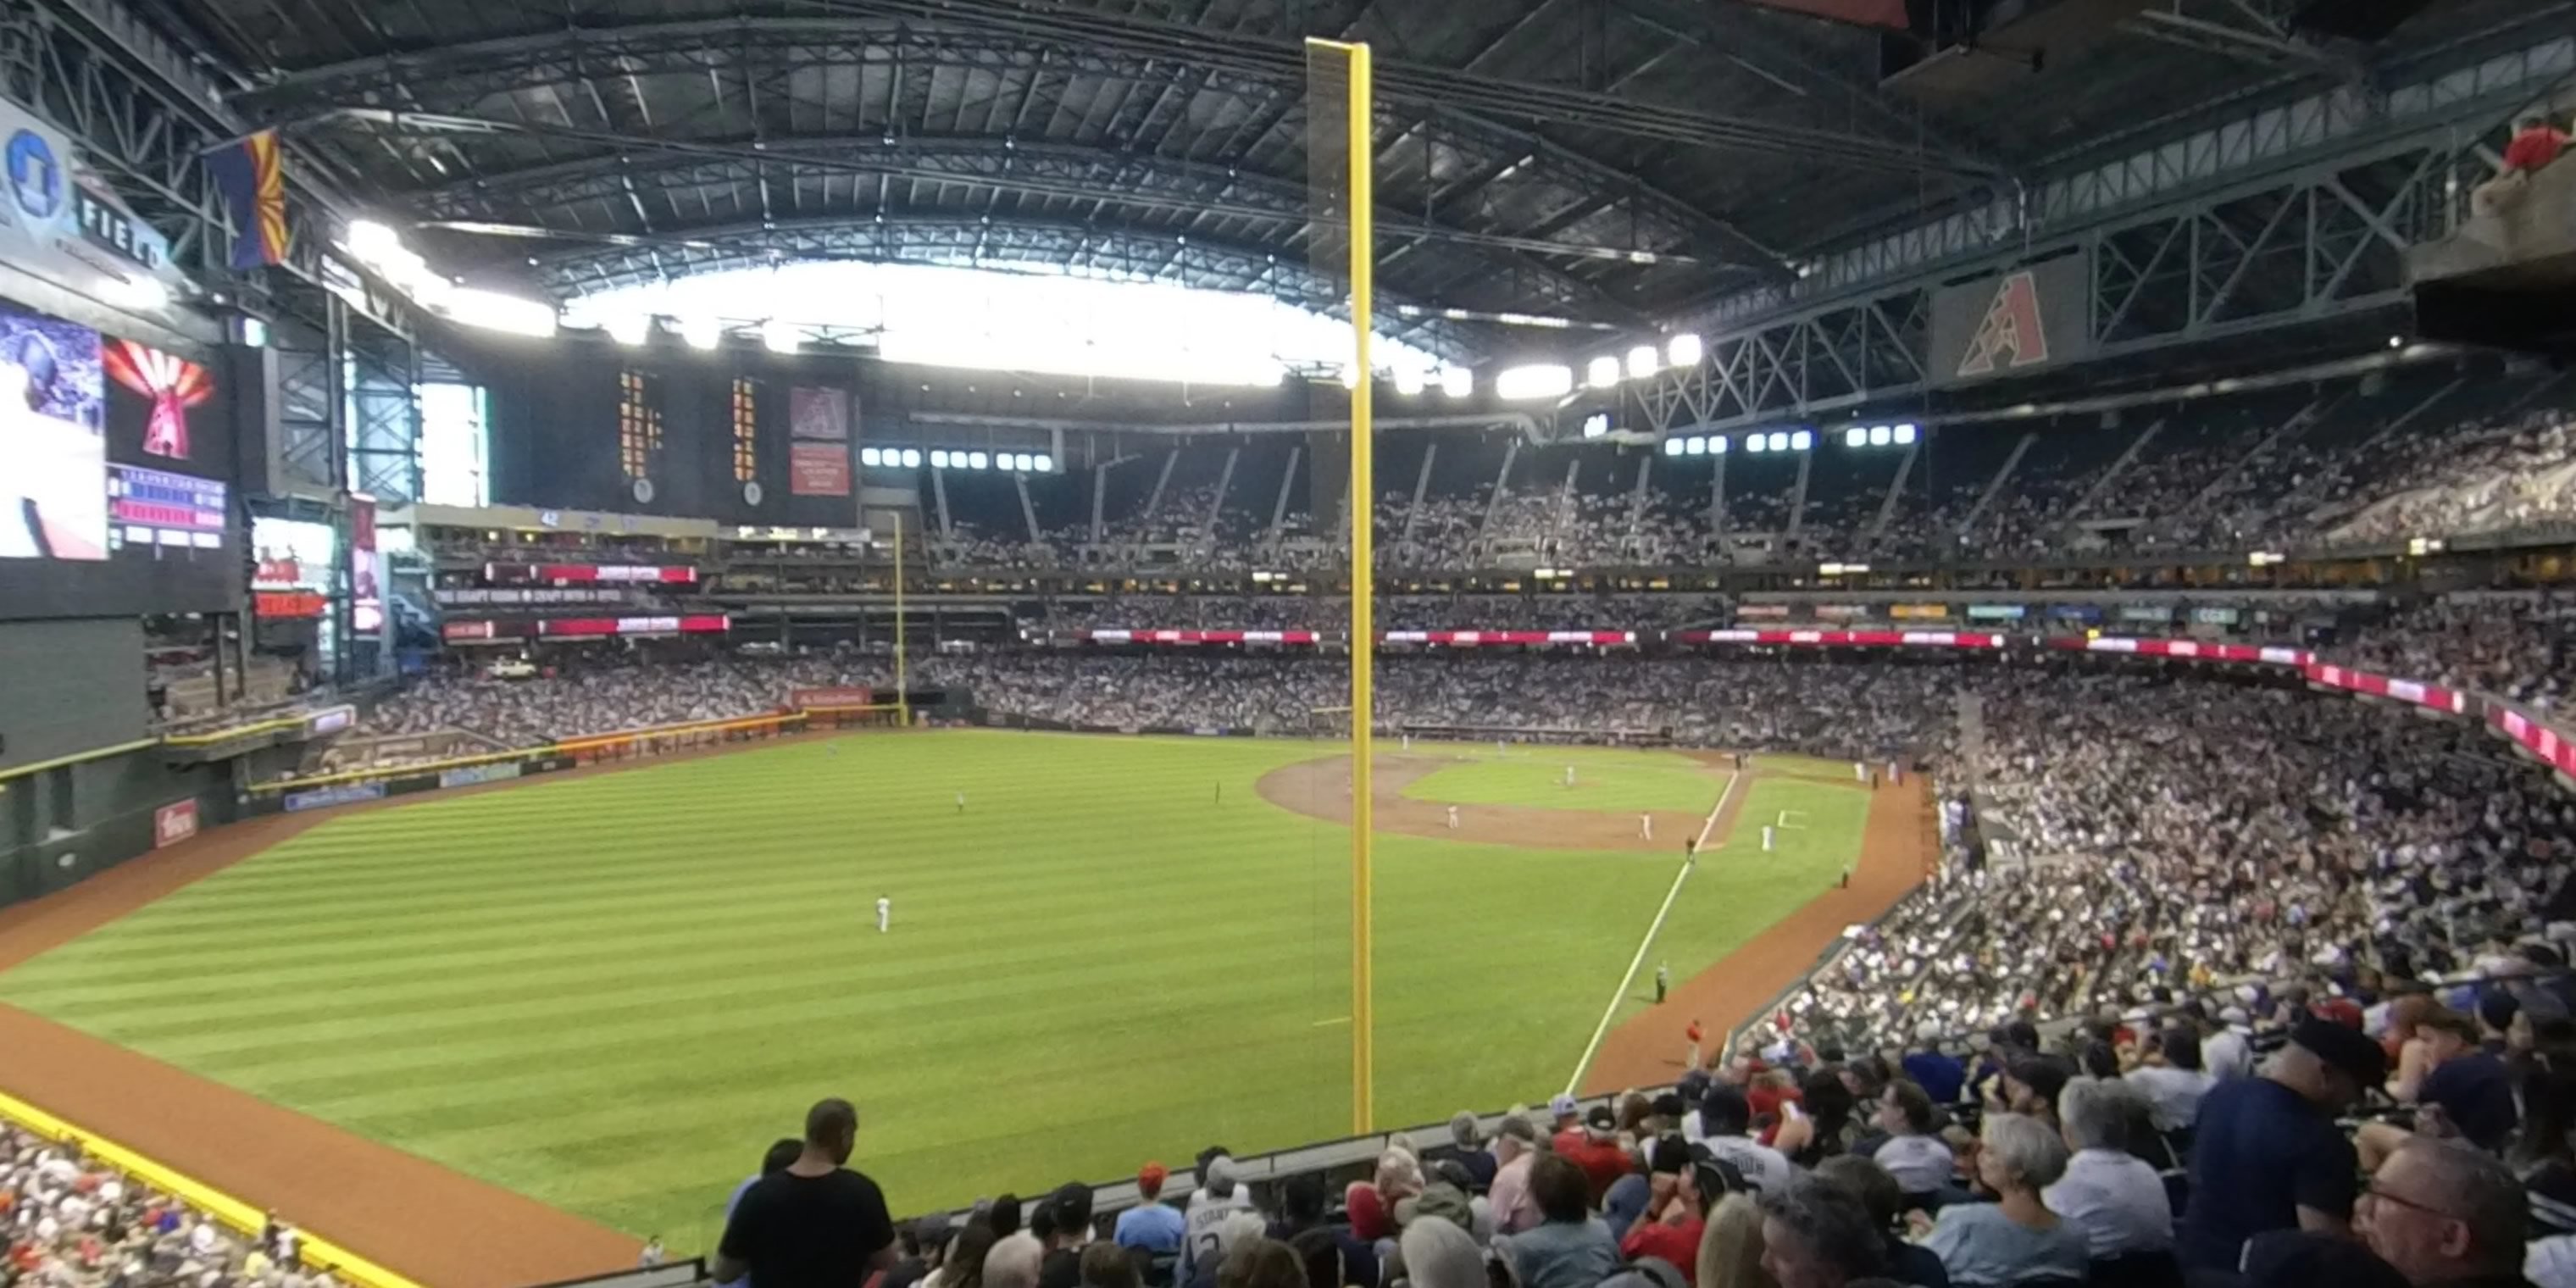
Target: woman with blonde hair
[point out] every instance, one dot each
(1730, 1246)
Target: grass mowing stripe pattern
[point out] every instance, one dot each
(611, 992)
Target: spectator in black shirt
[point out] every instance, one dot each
(2266, 1154)
(816, 1224)
(2468, 1082)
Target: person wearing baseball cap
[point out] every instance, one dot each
(1676, 1216)
(1152, 1224)
(1595, 1148)
(2266, 1154)
(1565, 1116)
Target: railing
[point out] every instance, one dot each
(366, 784)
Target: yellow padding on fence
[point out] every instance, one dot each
(231, 732)
(314, 1250)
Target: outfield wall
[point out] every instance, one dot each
(66, 820)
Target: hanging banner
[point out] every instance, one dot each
(2019, 322)
(822, 415)
(366, 568)
(818, 469)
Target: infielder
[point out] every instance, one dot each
(1453, 818)
(885, 913)
(1645, 827)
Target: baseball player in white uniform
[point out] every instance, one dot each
(1646, 827)
(1453, 818)
(885, 913)
(1569, 775)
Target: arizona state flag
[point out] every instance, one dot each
(252, 177)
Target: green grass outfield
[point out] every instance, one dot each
(612, 992)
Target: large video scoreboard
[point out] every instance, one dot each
(115, 490)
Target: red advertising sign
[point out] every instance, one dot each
(172, 824)
(277, 572)
(467, 631)
(839, 698)
(686, 624)
(2532, 736)
(289, 603)
(818, 469)
(1200, 637)
(2200, 650)
(2382, 686)
(1847, 639)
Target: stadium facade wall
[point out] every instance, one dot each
(69, 685)
(60, 826)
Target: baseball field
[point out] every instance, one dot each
(610, 991)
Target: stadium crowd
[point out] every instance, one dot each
(2144, 1149)
(2303, 466)
(2197, 868)
(68, 1220)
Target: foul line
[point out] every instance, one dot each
(1620, 994)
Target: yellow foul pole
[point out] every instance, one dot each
(902, 698)
(1363, 494)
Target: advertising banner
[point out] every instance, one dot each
(56, 224)
(288, 603)
(366, 568)
(2145, 613)
(667, 575)
(1919, 612)
(1762, 612)
(2019, 322)
(818, 469)
(821, 415)
(839, 698)
(470, 775)
(1997, 612)
(2533, 736)
(2200, 650)
(1840, 612)
(1848, 639)
(326, 797)
(172, 824)
(2382, 686)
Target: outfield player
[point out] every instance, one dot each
(961, 802)
(1453, 818)
(1645, 827)
(885, 913)
(1569, 775)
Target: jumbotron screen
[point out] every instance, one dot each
(116, 499)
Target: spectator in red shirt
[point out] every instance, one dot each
(1596, 1150)
(1677, 1214)
(2536, 143)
